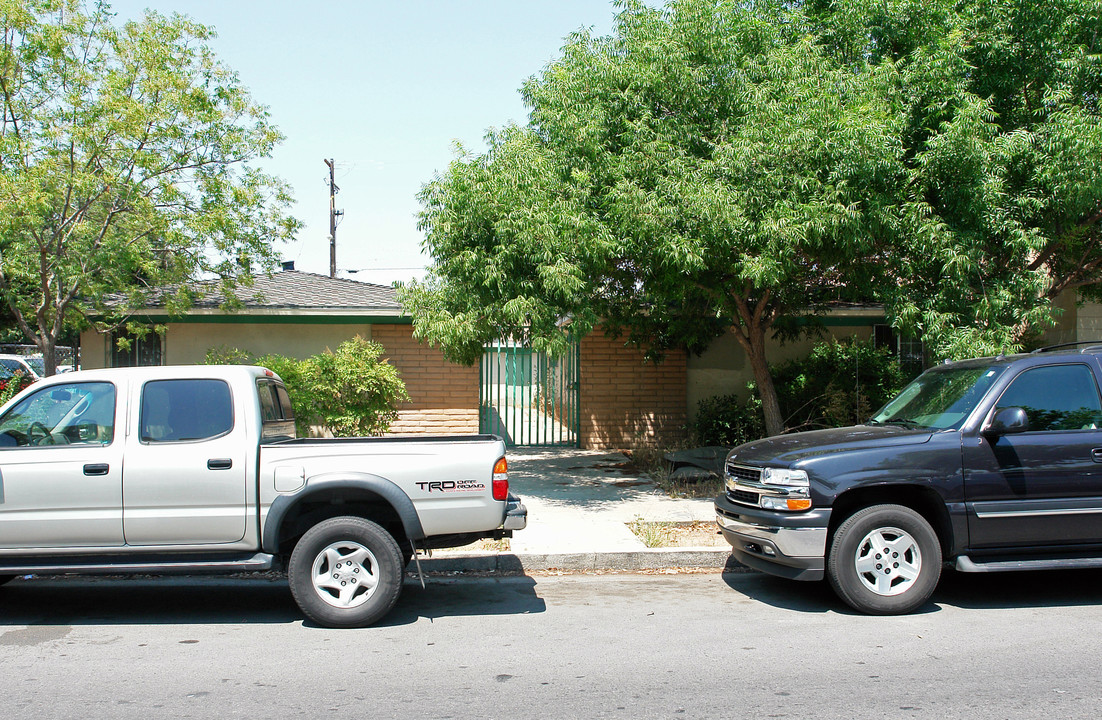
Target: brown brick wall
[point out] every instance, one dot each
(444, 396)
(626, 401)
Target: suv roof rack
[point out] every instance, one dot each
(1091, 345)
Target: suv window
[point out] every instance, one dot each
(1056, 397)
(70, 414)
(185, 410)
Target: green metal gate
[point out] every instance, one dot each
(529, 398)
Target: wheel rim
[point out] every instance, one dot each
(345, 574)
(888, 561)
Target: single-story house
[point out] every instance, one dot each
(604, 396)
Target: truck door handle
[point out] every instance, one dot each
(97, 469)
(1096, 455)
(219, 464)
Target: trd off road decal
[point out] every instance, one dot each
(451, 486)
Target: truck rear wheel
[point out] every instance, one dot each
(884, 560)
(345, 572)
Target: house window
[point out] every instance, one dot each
(144, 350)
(909, 351)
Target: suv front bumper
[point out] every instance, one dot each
(791, 545)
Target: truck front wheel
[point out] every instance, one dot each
(345, 572)
(884, 560)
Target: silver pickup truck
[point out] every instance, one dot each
(197, 470)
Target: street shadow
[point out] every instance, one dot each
(191, 600)
(465, 597)
(973, 591)
(84, 600)
(804, 597)
(1031, 589)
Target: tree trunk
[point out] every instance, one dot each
(750, 334)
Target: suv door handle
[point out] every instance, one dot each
(97, 469)
(225, 464)
(1096, 455)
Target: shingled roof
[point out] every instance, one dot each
(295, 293)
(294, 289)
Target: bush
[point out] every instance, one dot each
(727, 421)
(352, 392)
(837, 384)
(10, 386)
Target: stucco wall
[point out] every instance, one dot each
(724, 369)
(188, 343)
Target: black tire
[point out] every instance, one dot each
(333, 567)
(884, 560)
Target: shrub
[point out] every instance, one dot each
(837, 384)
(727, 421)
(355, 392)
(10, 386)
(352, 392)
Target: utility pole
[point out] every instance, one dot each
(333, 215)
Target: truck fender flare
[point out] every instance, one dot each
(380, 486)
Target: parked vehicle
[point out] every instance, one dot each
(197, 470)
(31, 366)
(993, 464)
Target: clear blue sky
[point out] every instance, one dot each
(384, 87)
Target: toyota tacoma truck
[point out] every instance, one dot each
(197, 470)
(990, 465)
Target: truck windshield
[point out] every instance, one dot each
(940, 398)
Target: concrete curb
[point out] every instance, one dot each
(515, 564)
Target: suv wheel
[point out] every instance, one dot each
(884, 560)
(345, 572)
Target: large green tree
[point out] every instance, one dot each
(1003, 142)
(125, 166)
(707, 168)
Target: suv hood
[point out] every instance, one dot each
(789, 449)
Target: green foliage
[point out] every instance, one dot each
(125, 165)
(727, 421)
(837, 384)
(1002, 138)
(10, 386)
(352, 392)
(705, 168)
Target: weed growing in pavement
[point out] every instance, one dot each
(653, 534)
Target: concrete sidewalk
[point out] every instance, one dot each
(579, 505)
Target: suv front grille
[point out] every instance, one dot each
(741, 496)
(742, 472)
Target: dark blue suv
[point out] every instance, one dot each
(992, 464)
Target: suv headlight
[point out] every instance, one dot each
(784, 477)
(794, 486)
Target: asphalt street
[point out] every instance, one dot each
(738, 645)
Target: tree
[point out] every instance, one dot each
(124, 167)
(1003, 140)
(706, 168)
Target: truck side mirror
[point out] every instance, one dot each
(1008, 421)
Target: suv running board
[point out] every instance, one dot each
(967, 564)
(129, 565)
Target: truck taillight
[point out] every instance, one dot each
(501, 480)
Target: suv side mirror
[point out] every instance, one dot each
(1008, 421)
